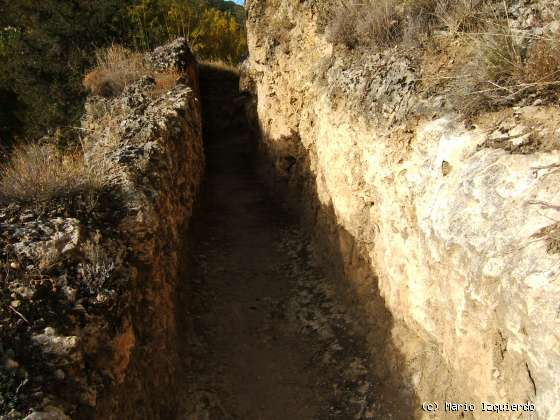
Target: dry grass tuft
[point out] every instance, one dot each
(503, 71)
(384, 23)
(542, 67)
(369, 23)
(116, 68)
(37, 173)
(506, 65)
(467, 16)
(500, 59)
(99, 268)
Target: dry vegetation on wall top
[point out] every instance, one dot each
(117, 67)
(506, 63)
(385, 23)
(40, 172)
(503, 72)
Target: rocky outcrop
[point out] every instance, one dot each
(89, 280)
(443, 230)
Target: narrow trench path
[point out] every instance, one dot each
(261, 335)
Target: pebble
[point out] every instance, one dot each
(11, 364)
(70, 293)
(26, 217)
(50, 331)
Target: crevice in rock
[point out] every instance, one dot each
(270, 324)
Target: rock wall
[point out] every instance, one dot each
(92, 278)
(442, 230)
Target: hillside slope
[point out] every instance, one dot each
(230, 7)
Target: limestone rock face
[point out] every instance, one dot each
(449, 226)
(173, 56)
(176, 56)
(91, 279)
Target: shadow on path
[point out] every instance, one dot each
(262, 333)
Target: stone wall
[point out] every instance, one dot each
(95, 335)
(442, 230)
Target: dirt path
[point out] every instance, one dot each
(261, 334)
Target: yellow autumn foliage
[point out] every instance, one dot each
(212, 33)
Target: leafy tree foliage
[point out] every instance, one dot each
(229, 7)
(46, 47)
(213, 32)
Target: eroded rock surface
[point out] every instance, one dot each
(443, 231)
(264, 333)
(88, 307)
